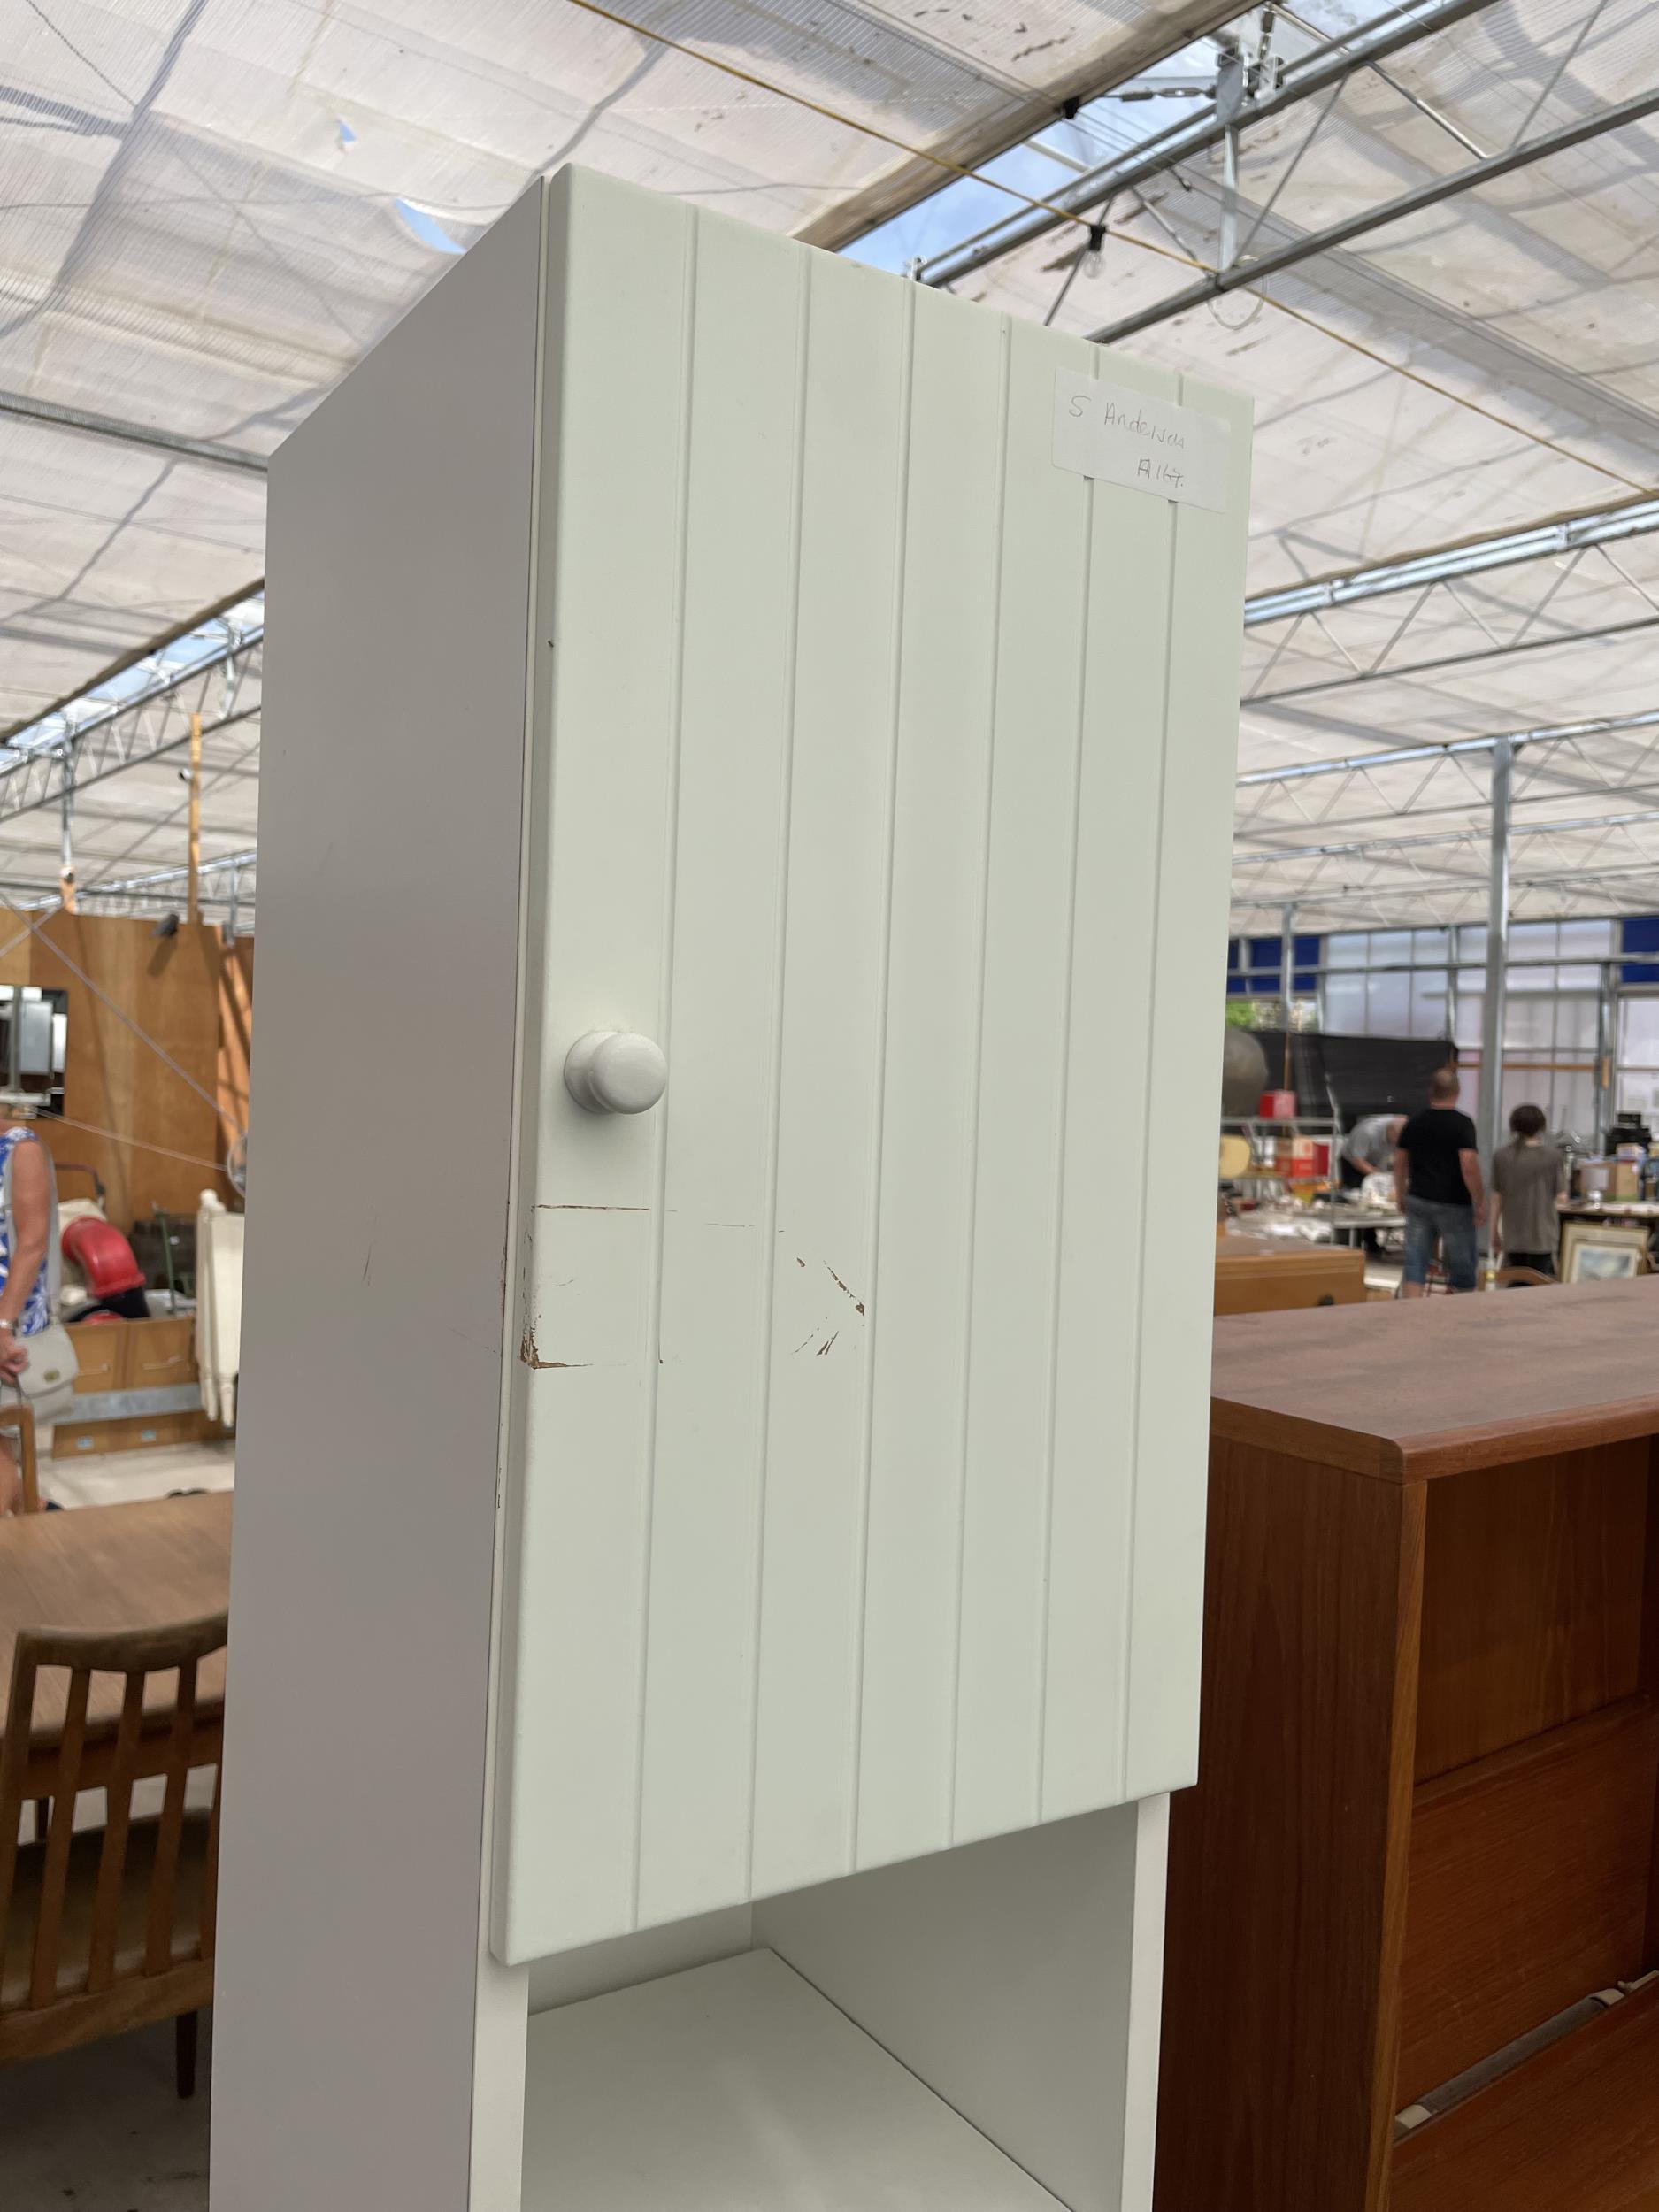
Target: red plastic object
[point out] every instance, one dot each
(103, 1256)
(1277, 1106)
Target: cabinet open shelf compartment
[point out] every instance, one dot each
(737, 2087)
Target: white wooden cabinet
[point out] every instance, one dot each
(770, 1520)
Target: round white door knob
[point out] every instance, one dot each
(613, 1072)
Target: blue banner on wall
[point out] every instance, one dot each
(1638, 933)
(1253, 963)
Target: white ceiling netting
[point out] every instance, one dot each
(212, 207)
(1526, 307)
(1479, 366)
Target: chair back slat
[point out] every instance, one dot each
(164, 1879)
(136, 1654)
(13, 1765)
(20, 1417)
(59, 1835)
(106, 1908)
(209, 1879)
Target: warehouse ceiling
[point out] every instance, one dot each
(213, 207)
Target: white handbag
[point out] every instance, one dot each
(47, 1383)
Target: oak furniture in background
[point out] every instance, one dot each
(1272, 1274)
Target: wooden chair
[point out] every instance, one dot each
(112, 1927)
(19, 1416)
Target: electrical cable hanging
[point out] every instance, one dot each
(1089, 252)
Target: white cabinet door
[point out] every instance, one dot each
(882, 771)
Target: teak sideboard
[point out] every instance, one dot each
(1413, 1896)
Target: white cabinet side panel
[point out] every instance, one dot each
(1195, 838)
(718, 1252)
(846, 605)
(1027, 955)
(612, 539)
(352, 1865)
(1107, 1104)
(931, 1079)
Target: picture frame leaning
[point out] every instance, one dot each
(1603, 1251)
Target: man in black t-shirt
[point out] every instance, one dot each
(1437, 1180)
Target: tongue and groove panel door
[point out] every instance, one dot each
(881, 772)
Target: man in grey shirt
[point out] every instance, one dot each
(1528, 1181)
(1369, 1148)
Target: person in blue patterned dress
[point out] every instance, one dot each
(24, 1304)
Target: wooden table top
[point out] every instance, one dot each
(1417, 1387)
(113, 1566)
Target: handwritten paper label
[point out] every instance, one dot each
(1148, 445)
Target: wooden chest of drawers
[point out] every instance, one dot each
(157, 1354)
(1429, 1757)
(119, 1359)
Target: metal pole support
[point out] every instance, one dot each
(1287, 981)
(194, 885)
(1490, 1120)
(67, 831)
(1606, 1049)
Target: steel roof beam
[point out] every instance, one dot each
(1601, 525)
(61, 708)
(1286, 828)
(131, 733)
(1437, 662)
(1243, 274)
(148, 889)
(1183, 142)
(1317, 896)
(87, 425)
(153, 878)
(1367, 847)
(916, 182)
(1548, 733)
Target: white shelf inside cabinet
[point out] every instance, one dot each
(737, 2088)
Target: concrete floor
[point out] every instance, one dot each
(102, 2130)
